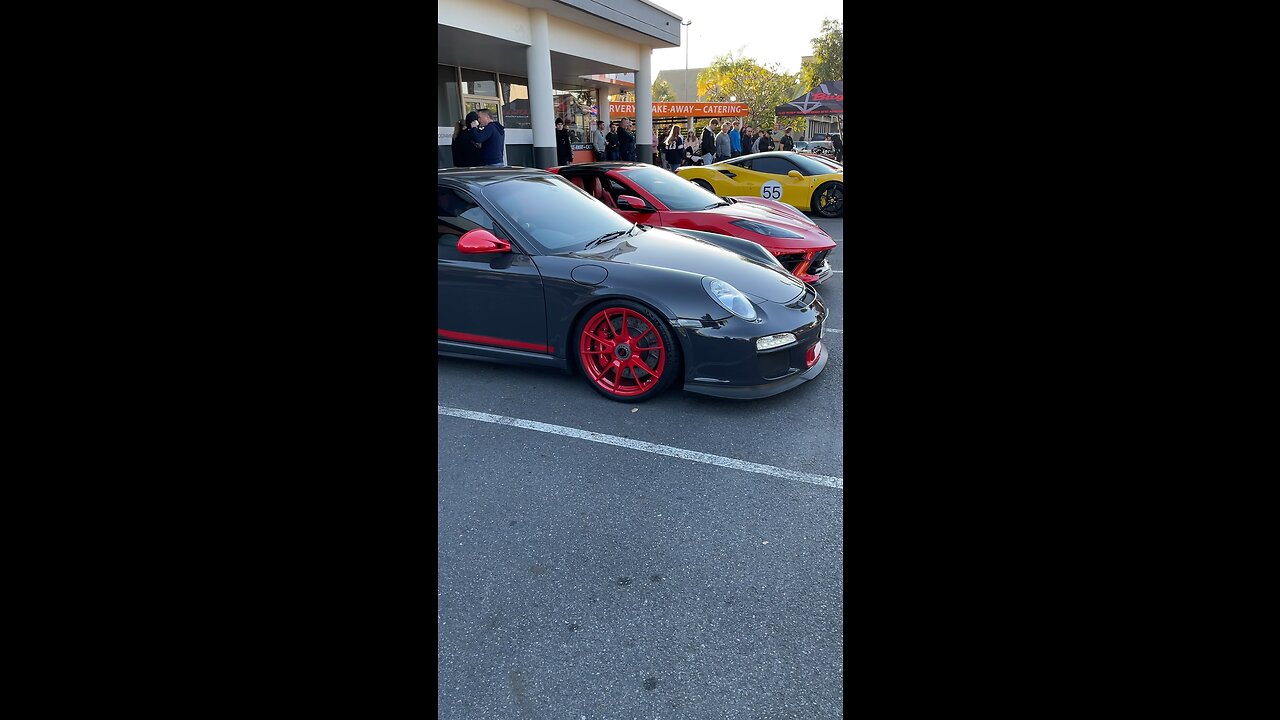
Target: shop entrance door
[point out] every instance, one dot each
(476, 102)
(479, 102)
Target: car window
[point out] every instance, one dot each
(553, 212)
(741, 162)
(616, 188)
(773, 165)
(672, 190)
(458, 214)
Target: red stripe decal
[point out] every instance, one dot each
(486, 340)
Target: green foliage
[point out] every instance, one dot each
(662, 91)
(828, 56)
(762, 88)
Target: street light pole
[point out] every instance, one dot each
(687, 99)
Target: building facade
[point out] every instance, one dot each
(531, 61)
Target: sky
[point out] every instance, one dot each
(752, 25)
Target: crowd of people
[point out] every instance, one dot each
(480, 140)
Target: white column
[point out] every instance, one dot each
(644, 108)
(604, 106)
(541, 107)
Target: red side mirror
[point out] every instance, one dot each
(631, 202)
(481, 241)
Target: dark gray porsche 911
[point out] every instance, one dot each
(533, 270)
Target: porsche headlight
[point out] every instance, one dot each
(729, 298)
(765, 229)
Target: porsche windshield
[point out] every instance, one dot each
(558, 215)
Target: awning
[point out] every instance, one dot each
(826, 99)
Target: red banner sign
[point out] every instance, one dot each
(676, 109)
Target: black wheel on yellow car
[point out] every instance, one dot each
(703, 184)
(828, 200)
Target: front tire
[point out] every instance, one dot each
(704, 185)
(828, 200)
(626, 351)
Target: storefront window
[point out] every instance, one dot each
(448, 110)
(515, 103)
(574, 107)
(476, 82)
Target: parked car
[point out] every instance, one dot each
(532, 270)
(669, 201)
(793, 178)
(817, 147)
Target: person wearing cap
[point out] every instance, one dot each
(564, 151)
(490, 137)
(465, 152)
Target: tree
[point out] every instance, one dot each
(762, 88)
(662, 91)
(828, 56)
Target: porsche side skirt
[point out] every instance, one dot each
(501, 355)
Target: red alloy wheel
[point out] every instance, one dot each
(623, 353)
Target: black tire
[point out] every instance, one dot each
(703, 184)
(597, 359)
(828, 200)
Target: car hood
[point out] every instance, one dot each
(747, 208)
(660, 248)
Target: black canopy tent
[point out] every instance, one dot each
(826, 99)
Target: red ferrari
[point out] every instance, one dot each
(649, 195)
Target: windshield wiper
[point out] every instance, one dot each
(608, 236)
(716, 205)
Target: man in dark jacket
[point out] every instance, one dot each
(564, 151)
(788, 143)
(708, 145)
(766, 142)
(492, 138)
(627, 141)
(611, 143)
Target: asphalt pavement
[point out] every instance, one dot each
(618, 578)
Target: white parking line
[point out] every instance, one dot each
(838, 272)
(833, 330)
(669, 451)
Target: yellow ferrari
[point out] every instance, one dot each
(801, 181)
